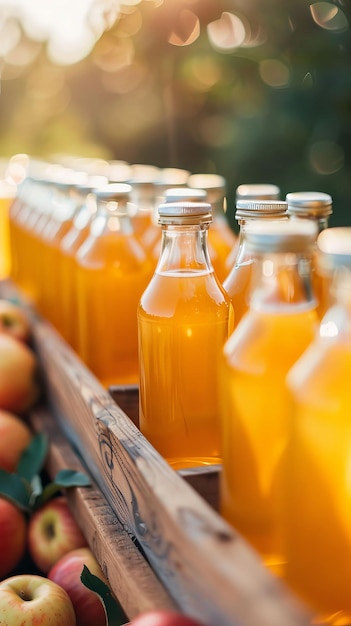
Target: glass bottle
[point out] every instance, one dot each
(318, 495)
(64, 206)
(238, 282)
(177, 194)
(221, 238)
(69, 245)
(184, 318)
(168, 178)
(264, 191)
(279, 325)
(112, 272)
(317, 207)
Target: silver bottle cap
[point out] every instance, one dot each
(264, 191)
(185, 194)
(260, 209)
(334, 247)
(309, 204)
(185, 213)
(281, 236)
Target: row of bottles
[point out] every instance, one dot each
(84, 249)
(233, 367)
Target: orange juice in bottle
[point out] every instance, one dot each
(279, 325)
(317, 207)
(317, 473)
(15, 229)
(69, 246)
(221, 238)
(112, 273)
(184, 318)
(64, 207)
(238, 282)
(262, 191)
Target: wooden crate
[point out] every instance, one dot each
(155, 532)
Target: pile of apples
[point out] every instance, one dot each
(43, 551)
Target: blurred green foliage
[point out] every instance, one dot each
(270, 103)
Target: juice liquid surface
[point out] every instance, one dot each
(318, 502)
(255, 422)
(112, 273)
(183, 324)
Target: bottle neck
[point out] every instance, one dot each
(184, 249)
(108, 220)
(281, 279)
(322, 222)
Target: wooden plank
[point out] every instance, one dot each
(129, 574)
(204, 480)
(206, 567)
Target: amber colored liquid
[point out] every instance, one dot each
(52, 237)
(221, 241)
(238, 287)
(69, 247)
(112, 273)
(318, 502)
(255, 424)
(5, 254)
(183, 324)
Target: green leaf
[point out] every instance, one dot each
(115, 615)
(15, 489)
(33, 457)
(70, 478)
(64, 479)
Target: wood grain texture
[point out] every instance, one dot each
(205, 566)
(129, 574)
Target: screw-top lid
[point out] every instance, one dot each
(185, 194)
(185, 213)
(214, 185)
(309, 204)
(173, 176)
(113, 191)
(334, 247)
(265, 191)
(260, 209)
(92, 183)
(281, 236)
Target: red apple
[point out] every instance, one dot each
(14, 321)
(28, 600)
(19, 387)
(13, 536)
(15, 436)
(52, 532)
(66, 572)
